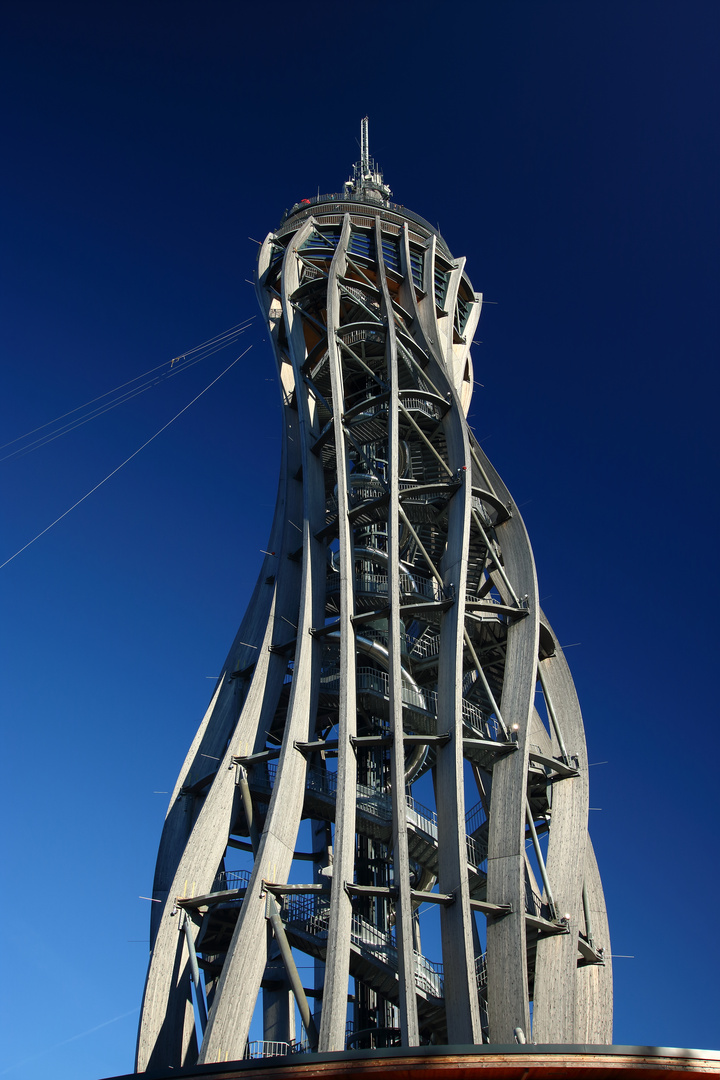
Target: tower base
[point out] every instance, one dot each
(462, 1063)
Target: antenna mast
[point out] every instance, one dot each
(365, 148)
(367, 179)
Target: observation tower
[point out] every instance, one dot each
(378, 837)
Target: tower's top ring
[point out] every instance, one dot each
(342, 202)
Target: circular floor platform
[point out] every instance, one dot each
(462, 1063)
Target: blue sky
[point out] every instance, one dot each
(569, 151)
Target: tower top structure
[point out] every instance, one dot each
(367, 178)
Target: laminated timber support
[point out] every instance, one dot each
(337, 963)
(556, 966)
(239, 984)
(395, 713)
(166, 1032)
(506, 940)
(594, 986)
(461, 998)
(409, 1030)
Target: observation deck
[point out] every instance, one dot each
(343, 202)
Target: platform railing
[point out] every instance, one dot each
(423, 647)
(311, 914)
(264, 1048)
(475, 817)
(481, 972)
(231, 879)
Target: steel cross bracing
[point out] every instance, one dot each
(395, 685)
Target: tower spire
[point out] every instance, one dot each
(367, 178)
(365, 145)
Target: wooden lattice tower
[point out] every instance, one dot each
(395, 724)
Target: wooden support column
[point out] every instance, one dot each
(239, 983)
(556, 970)
(456, 922)
(409, 1029)
(508, 1003)
(594, 987)
(337, 961)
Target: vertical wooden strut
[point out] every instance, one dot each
(409, 1031)
(353, 773)
(337, 970)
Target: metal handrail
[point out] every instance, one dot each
(351, 337)
(426, 645)
(481, 972)
(265, 1048)
(420, 497)
(230, 879)
(417, 698)
(378, 804)
(471, 598)
(469, 680)
(476, 856)
(423, 812)
(475, 817)
(369, 582)
(533, 902)
(421, 405)
(312, 914)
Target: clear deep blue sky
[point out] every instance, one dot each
(569, 150)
